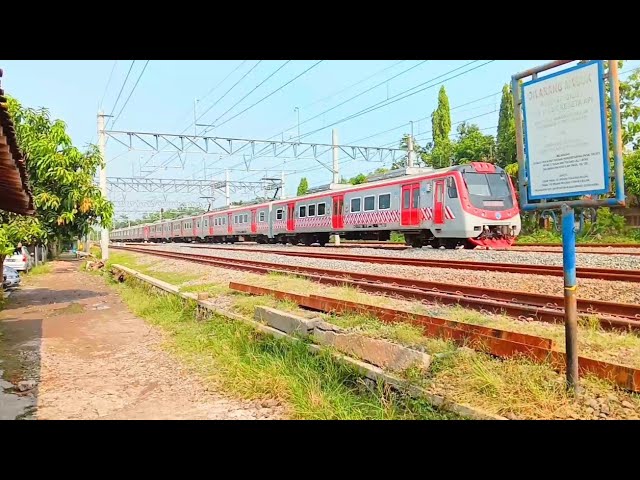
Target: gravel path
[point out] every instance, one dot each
(88, 357)
(625, 292)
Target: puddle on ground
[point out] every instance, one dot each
(12, 406)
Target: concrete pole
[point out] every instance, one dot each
(104, 238)
(336, 167)
(227, 194)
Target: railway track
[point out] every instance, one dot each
(590, 245)
(522, 305)
(594, 273)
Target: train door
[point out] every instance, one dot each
(337, 217)
(254, 225)
(195, 226)
(438, 202)
(410, 209)
(291, 219)
(229, 224)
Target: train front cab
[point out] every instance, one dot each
(491, 213)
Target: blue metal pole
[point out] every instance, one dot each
(570, 297)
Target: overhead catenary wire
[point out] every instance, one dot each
(375, 86)
(251, 91)
(211, 90)
(229, 91)
(266, 96)
(350, 86)
(166, 162)
(393, 99)
(358, 95)
(130, 94)
(120, 92)
(108, 83)
(386, 103)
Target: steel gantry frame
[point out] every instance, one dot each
(203, 144)
(184, 185)
(225, 146)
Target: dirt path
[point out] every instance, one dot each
(89, 358)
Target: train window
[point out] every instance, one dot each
(246, 218)
(384, 201)
(369, 203)
(355, 205)
(451, 187)
(312, 210)
(198, 224)
(224, 220)
(261, 217)
(322, 209)
(406, 199)
(279, 214)
(302, 212)
(206, 222)
(416, 198)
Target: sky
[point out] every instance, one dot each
(166, 91)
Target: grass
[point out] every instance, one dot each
(148, 268)
(554, 238)
(41, 269)
(210, 288)
(514, 386)
(251, 365)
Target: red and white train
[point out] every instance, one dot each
(471, 205)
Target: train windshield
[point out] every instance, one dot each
(490, 191)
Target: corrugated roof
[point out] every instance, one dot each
(15, 191)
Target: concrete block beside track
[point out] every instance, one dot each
(284, 321)
(381, 353)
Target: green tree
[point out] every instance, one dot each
(68, 202)
(506, 135)
(632, 173)
(441, 150)
(472, 145)
(303, 187)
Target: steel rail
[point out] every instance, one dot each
(521, 305)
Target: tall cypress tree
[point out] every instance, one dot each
(506, 135)
(441, 128)
(303, 187)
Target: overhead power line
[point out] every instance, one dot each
(266, 96)
(253, 90)
(130, 94)
(108, 83)
(349, 99)
(350, 86)
(194, 123)
(120, 92)
(359, 94)
(394, 99)
(228, 91)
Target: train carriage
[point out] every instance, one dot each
(471, 205)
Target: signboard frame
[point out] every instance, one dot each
(616, 133)
(562, 201)
(603, 131)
